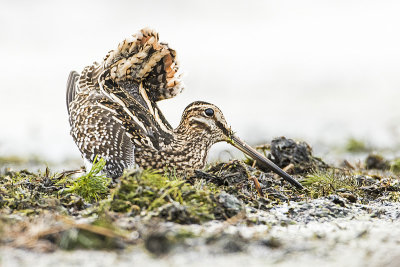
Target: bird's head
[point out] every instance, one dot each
(206, 120)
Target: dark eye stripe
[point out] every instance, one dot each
(221, 127)
(209, 112)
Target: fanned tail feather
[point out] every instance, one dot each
(143, 59)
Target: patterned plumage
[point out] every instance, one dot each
(113, 112)
(109, 103)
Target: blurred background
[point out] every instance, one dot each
(320, 71)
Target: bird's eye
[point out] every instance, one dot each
(209, 112)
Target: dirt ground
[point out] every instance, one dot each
(231, 213)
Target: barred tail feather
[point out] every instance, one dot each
(143, 59)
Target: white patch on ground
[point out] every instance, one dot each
(358, 238)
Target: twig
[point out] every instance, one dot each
(257, 185)
(287, 169)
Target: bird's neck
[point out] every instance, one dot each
(186, 152)
(192, 148)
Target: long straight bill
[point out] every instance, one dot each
(263, 161)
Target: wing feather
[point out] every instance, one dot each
(96, 133)
(134, 115)
(71, 88)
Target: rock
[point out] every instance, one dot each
(230, 204)
(157, 243)
(374, 161)
(365, 180)
(286, 151)
(350, 197)
(175, 212)
(227, 243)
(337, 200)
(271, 242)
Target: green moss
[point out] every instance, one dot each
(393, 196)
(173, 198)
(91, 186)
(395, 166)
(320, 184)
(28, 192)
(354, 146)
(12, 160)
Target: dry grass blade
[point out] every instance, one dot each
(91, 228)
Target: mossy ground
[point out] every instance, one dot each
(172, 198)
(90, 211)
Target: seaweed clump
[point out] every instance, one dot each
(50, 231)
(29, 193)
(395, 166)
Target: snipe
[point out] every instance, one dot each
(113, 113)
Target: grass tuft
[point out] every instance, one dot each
(92, 186)
(325, 183)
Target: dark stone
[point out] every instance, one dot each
(364, 180)
(227, 243)
(157, 243)
(175, 212)
(350, 197)
(232, 246)
(271, 242)
(287, 151)
(231, 205)
(337, 200)
(374, 161)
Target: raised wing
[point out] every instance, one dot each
(143, 122)
(140, 72)
(83, 83)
